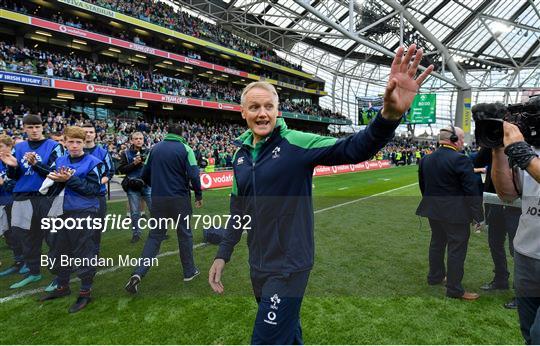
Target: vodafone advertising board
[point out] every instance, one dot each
(141, 95)
(362, 166)
(216, 179)
(225, 178)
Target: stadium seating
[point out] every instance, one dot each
(32, 61)
(166, 16)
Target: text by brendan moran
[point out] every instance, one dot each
(120, 261)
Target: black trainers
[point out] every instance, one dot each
(81, 302)
(59, 292)
(511, 304)
(189, 278)
(492, 286)
(135, 239)
(133, 284)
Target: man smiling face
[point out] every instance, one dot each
(260, 109)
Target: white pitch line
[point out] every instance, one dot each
(363, 198)
(164, 254)
(343, 188)
(100, 272)
(169, 253)
(214, 189)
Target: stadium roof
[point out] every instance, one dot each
(489, 45)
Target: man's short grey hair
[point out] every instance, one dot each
(260, 85)
(136, 134)
(446, 133)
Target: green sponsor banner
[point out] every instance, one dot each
(422, 110)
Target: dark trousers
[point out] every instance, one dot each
(14, 243)
(32, 239)
(502, 221)
(176, 209)
(453, 238)
(13, 239)
(76, 243)
(527, 283)
(102, 212)
(279, 296)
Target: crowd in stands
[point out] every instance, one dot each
(171, 47)
(207, 138)
(408, 151)
(72, 67)
(33, 61)
(166, 16)
(308, 108)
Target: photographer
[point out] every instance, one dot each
(131, 164)
(510, 185)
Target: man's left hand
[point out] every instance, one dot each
(402, 87)
(512, 134)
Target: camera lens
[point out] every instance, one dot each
(489, 133)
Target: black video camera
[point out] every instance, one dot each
(489, 119)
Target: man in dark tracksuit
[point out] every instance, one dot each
(81, 174)
(273, 171)
(502, 221)
(29, 167)
(170, 169)
(103, 155)
(450, 200)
